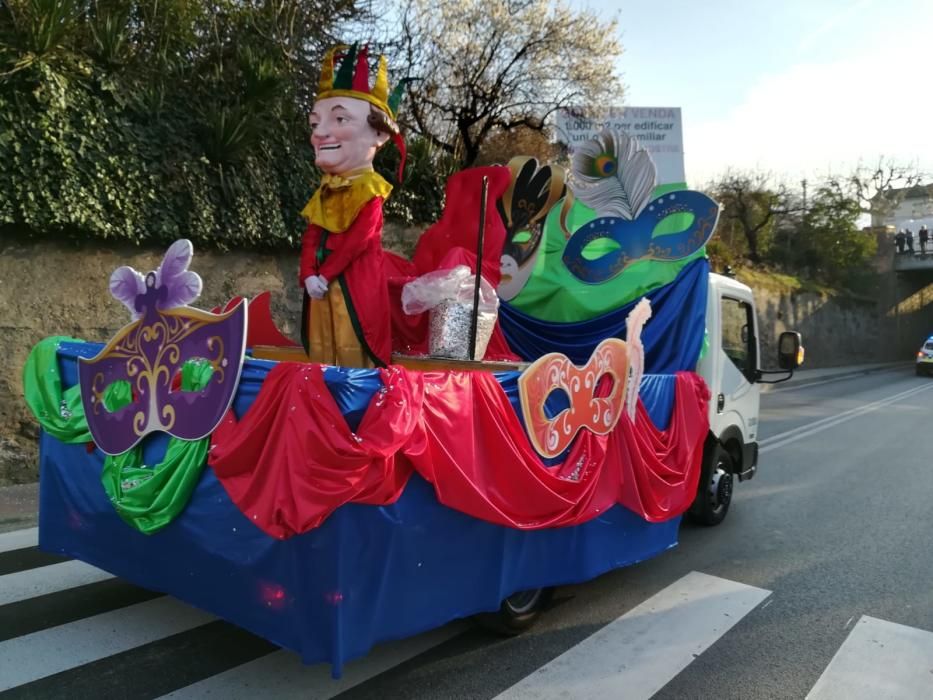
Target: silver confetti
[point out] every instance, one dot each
(450, 330)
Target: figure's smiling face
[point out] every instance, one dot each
(341, 135)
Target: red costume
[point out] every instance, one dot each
(353, 259)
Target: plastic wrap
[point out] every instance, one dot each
(448, 296)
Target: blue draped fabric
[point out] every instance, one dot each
(672, 338)
(368, 574)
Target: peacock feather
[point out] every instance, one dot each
(613, 175)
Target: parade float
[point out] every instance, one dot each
(328, 508)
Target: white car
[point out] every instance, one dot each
(925, 358)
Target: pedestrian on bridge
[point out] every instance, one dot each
(899, 239)
(924, 235)
(910, 240)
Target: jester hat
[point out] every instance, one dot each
(345, 73)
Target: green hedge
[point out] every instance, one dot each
(73, 161)
(135, 146)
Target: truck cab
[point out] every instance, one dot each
(731, 369)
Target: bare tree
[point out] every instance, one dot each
(484, 66)
(752, 206)
(878, 189)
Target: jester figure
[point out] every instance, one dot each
(345, 319)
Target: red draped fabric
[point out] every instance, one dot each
(291, 460)
(450, 242)
(458, 226)
(492, 472)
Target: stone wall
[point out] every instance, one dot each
(835, 331)
(48, 289)
(51, 289)
(888, 325)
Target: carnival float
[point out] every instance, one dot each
(513, 409)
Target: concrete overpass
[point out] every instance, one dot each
(915, 263)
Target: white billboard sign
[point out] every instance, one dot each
(658, 129)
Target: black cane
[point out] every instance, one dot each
(479, 266)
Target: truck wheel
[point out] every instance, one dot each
(715, 491)
(518, 612)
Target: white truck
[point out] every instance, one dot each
(731, 370)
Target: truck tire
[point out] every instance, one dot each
(518, 612)
(714, 494)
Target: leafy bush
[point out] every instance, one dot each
(149, 121)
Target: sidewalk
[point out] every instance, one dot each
(19, 504)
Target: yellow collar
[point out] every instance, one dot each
(339, 199)
(336, 182)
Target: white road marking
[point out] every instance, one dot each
(879, 659)
(40, 654)
(48, 579)
(639, 653)
(776, 441)
(19, 539)
(282, 676)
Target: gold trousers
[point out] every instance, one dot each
(331, 338)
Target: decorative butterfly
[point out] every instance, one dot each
(175, 284)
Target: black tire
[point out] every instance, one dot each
(714, 493)
(518, 612)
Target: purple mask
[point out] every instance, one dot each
(149, 353)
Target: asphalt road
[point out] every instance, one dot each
(830, 538)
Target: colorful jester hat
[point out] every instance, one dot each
(351, 79)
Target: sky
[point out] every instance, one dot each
(796, 88)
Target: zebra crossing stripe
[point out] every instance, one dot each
(19, 539)
(282, 676)
(48, 579)
(41, 654)
(636, 655)
(879, 659)
(639, 653)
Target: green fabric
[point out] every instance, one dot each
(149, 498)
(117, 395)
(195, 374)
(60, 413)
(554, 294)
